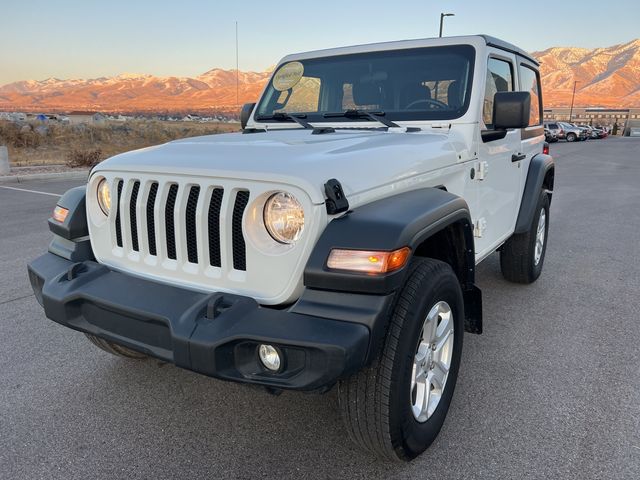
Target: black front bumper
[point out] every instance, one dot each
(214, 334)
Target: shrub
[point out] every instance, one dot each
(84, 158)
(19, 135)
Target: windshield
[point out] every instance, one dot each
(431, 83)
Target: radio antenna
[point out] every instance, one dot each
(237, 71)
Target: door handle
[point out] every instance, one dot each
(516, 157)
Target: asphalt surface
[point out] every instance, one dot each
(550, 390)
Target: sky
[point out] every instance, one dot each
(96, 38)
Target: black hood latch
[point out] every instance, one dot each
(336, 201)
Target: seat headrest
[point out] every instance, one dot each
(414, 92)
(367, 93)
(454, 95)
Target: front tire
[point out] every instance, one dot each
(396, 407)
(114, 348)
(522, 256)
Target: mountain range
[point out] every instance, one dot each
(213, 91)
(607, 77)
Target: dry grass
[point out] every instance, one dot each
(55, 144)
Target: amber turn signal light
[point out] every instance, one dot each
(60, 214)
(368, 261)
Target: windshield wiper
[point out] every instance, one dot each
(283, 117)
(375, 116)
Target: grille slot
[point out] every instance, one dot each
(118, 224)
(190, 220)
(169, 221)
(133, 216)
(214, 227)
(239, 247)
(151, 220)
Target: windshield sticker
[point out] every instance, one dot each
(288, 76)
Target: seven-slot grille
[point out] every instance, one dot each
(178, 210)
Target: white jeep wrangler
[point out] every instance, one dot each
(333, 242)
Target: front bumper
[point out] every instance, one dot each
(214, 334)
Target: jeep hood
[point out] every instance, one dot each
(360, 159)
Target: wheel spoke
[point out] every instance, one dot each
(413, 377)
(424, 405)
(442, 341)
(439, 374)
(445, 328)
(430, 326)
(421, 354)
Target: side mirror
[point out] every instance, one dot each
(245, 113)
(511, 110)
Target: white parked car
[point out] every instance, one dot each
(333, 242)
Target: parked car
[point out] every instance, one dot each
(592, 131)
(571, 133)
(331, 243)
(555, 129)
(584, 128)
(549, 136)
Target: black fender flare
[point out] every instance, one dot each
(406, 219)
(75, 225)
(71, 237)
(403, 220)
(539, 167)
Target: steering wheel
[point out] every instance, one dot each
(429, 101)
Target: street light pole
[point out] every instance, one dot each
(572, 97)
(442, 15)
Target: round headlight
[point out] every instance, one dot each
(284, 217)
(104, 196)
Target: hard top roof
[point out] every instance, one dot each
(415, 43)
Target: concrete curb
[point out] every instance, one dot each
(74, 175)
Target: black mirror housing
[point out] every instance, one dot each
(511, 110)
(245, 113)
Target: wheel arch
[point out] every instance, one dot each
(454, 245)
(541, 175)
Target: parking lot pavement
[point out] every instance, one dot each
(550, 390)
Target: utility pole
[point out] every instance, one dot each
(237, 71)
(442, 15)
(572, 97)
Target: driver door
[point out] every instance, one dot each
(499, 170)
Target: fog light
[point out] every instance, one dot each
(270, 357)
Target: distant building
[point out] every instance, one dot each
(598, 117)
(78, 117)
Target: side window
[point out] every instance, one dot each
(499, 79)
(530, 82)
